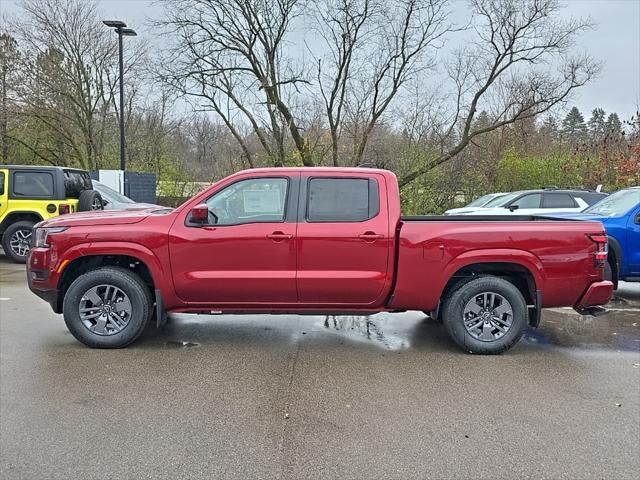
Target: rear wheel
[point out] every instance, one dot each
(107, 308)
(486, 315)
(16, 240)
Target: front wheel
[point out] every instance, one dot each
(486, 315)
(107, 308)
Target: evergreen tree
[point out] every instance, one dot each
(573, 127)
(597, 125)
(613, 126)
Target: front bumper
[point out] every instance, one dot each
(40, 278)
(598, 293)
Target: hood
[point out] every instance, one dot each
(102, 217)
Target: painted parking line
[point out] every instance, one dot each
(4, 299)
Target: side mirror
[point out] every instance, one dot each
(513, 208)
(199, 214)
(638, 219)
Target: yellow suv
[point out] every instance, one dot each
(29, 195)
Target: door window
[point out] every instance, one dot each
(528, 201)
(342, 199)
(250, 201)
(1, 183)
(32, 184)
(558, 200)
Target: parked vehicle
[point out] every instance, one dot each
(539, 202)
(323, 240)
(112, 200)
(31, 194)
(620, 215)
(477, 203)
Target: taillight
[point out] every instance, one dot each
(601, 249)
(64, 208)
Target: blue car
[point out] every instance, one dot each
(620, 215)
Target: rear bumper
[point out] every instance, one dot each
(598, 293)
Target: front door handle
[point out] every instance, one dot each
(370, 236)
(279, 236)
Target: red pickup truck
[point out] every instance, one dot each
(313, 240)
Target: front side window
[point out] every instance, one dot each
(342, 199)
(250, 201)
(528, 201)
(32, 184)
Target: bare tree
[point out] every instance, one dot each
(69, 55)
(9, 57)
(230, 53)
(507, 70)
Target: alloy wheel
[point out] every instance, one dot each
(105, 310)
(20, 242)
(487, 316)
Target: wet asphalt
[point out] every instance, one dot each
(292, 397)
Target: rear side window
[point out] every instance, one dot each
(590, 197)
(342, 199)
(75, 183)
(558, 200)
(528, 201)
(33, 184)
(1, 183)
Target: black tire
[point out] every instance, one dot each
(130, 284)
(90, 200)
(453, 315)
(608, 272)
(24, 226)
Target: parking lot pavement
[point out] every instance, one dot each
(387, 396)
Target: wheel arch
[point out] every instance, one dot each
(19, 216)
(83, 264)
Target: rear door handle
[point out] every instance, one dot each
(371, 236)
(280, 236)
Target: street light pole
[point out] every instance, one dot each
(120, 29)
(122, 150)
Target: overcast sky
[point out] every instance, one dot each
(615, 42)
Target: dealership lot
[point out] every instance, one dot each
(387, 396)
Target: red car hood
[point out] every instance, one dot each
(104, 217)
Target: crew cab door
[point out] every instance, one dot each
(245, 254)
(344, 239)
(633, 241)
(4, 192)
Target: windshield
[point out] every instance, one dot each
(110, 195)
(616, 204)
(502, 199)
(478, 202)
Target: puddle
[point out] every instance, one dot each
(618, 330)
(381, 329)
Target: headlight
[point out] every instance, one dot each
(42, 233)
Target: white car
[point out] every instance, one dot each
(538, 202)
(477, 203)
(113, 200)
